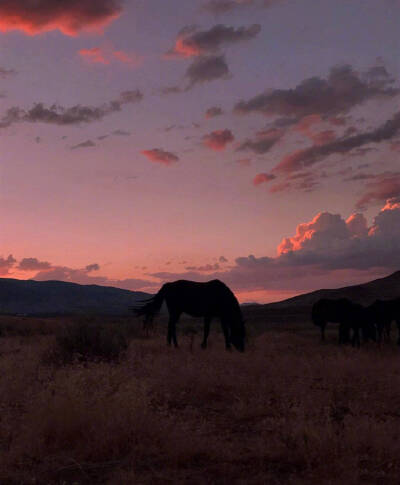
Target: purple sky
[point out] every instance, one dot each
(257, 142)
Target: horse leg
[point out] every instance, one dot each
(398, 330)
(343, 333)
(355, 341)
(173, 318)
(225, 329)
(388, 326)
(323, 325)
(207, 321)
(379, 327)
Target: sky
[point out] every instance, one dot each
(253, 141)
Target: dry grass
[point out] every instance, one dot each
(289, 410)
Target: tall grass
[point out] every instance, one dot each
(289, 410)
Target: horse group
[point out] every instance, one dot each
(374, 321)
(214, 299)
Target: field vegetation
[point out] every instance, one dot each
(97, 400)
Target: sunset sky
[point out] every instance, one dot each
(254, 141)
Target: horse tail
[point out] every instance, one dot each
(151, 307)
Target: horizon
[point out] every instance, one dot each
(251, 141)
(240, 301)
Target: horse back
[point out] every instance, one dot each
(212, 298)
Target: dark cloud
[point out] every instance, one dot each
(383, 186)
(359, 176)
(6, 264)
(204, 269)
(192, 42)
(217, 140)
(309, 156)
(84, 144)
(222, 259)
(92, 267)
(206, 69)
(33, 264)
(68, 16)
(213, 112)
(341, 91)
(75, 115)
(263, 141)
(159, 155)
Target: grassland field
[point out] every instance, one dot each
(290, 410)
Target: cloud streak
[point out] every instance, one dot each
(301, 159)
(75, 115)
(158, 155)
(343, 89)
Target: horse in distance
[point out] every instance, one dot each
(349, 316)
(382, 313)
(212, 299)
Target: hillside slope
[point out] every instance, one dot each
(383, 288)
(31, 297)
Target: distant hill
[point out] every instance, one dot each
(298, 308)
(41, 298)
(366, 293)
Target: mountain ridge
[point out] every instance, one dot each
(384, 288)
(53, 297)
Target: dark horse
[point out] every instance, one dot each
(208, 300)
(382, 313)
(348, 314)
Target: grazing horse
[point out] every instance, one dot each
(382, 313)
(208, 300)
(349, 315)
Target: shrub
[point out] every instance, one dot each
(85, 340)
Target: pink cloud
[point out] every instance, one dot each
(160, 156)
(94, 55)
(262, 178)
(217, 140)
(70, 18)
(105, 55)
(323, 137)
(130, 59)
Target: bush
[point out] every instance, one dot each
(84, 340)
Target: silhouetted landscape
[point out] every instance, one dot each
(101, 399)
(200, 242)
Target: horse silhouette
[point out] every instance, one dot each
(208, 300)
(349, 316)
(382, 313)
